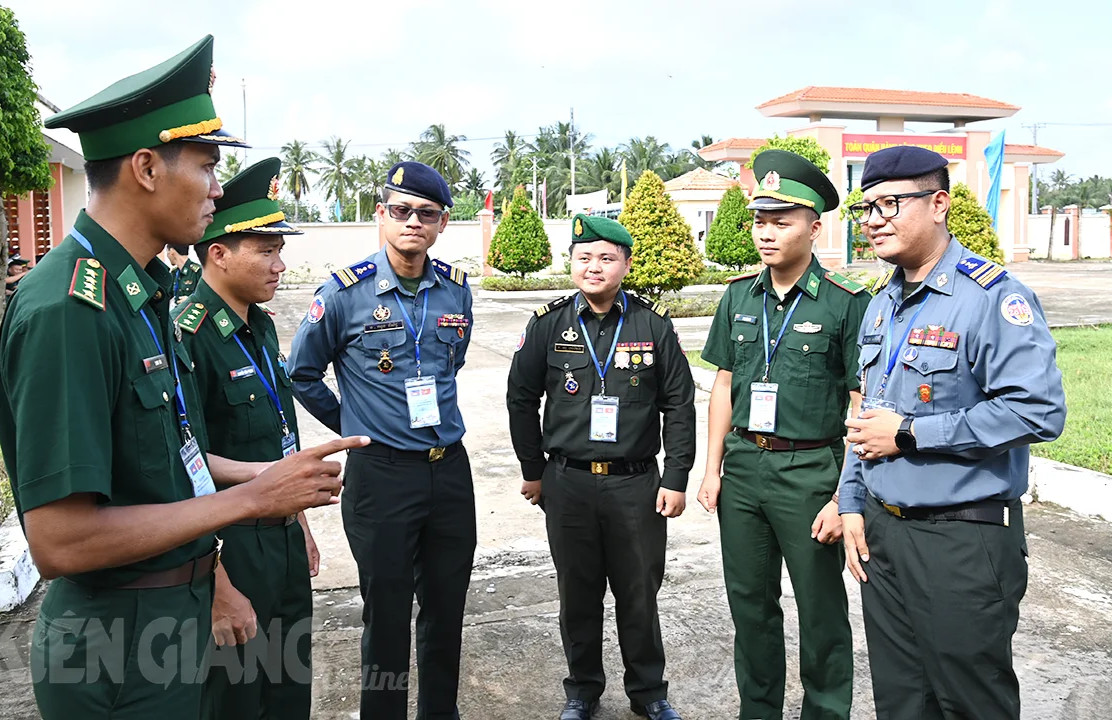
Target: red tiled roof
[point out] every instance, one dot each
(735, 143)
(813, 93)
(700, 179)
(1010, 149)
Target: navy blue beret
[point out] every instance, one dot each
(414, 178)
(900, 163)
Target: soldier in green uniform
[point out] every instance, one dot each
(186, 273)
(263, 581)
(100, 418)
(785, 343)
(610, 366)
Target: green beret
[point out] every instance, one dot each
(250, 204)
(787, 181)
(170, 101)
(589, 228)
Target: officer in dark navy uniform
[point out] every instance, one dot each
(611, 370)
(958, 378)
(395, 327)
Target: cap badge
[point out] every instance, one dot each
(771, 181)
(212, 79)
(578, 230)
(398, 176)
(272, 193)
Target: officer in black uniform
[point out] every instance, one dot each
(609, 365)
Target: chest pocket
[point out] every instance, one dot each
(249, 406)
(935, 369)
(450, 340)
(746, 347)
(582, 370)
(391, 341)
(802, 359)
(155, 427)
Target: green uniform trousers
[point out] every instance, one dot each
(121, 654)
(768, 501)
(941, 606)
(271, 676)
(605, 528)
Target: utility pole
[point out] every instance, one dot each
(1035, 168)
(571, 149)
(243, 84)
(535, 206)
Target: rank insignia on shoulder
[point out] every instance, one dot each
(883, 280)
(191, 317)
(346, 277)
(264, 308)
(552, 305)
(983, 272)
(845, 283)
(657, 307)
(459, 277)
(88, 282)
(743, 276)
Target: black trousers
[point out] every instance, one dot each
(411, 527)
(600, 528)
(941, 606)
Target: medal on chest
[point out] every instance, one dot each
(385, 363)
(381, 313)
(570, 384)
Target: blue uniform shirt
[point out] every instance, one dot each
(354, 319)
(977, 372)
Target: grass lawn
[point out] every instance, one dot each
(1086, 364)
(694, 359)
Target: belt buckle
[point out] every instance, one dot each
(892, 509)
(291, 519)
(600, 468)
(763, 441)
(436, 454)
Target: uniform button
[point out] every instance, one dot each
(566, 366)
(740, 338)
(806, 348)
(158, 295)
(772, 343)
(924, 366)
(252, 398)
(165, 396)
(899, 319)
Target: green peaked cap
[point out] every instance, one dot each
(170, 101)
(589, 228)
(250, 204)
(786, 180)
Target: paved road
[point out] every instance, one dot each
(512, 658)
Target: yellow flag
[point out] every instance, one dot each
(625, 181)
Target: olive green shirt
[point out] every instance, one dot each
(186, 279)
(243, 421)
(80, 410)
(816, 364)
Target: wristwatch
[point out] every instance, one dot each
(905, 441)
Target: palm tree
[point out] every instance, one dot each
(1059, 179)
(443, 153)
(229, 167)
(393, 156)
(602, 171)
(336, 170)
(507, 157)
(676, 164)
(297, 164)
(647, 154)
(473, 183)
(698, 144)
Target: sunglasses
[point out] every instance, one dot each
(427, 216)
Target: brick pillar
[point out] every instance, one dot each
(486, 224)
(1074, 214)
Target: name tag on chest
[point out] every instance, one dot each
(243, 372)
(154, 364)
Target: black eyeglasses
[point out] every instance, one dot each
(427, 216)
(887, 207)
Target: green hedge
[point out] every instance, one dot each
(513, 282)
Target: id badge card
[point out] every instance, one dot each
(289, 444)
(604, 418)
(762, 407)
(875, 403)
(420, 396)
(197, 468)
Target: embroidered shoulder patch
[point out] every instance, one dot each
(191, 317)
(1015, 310)
(88, 282)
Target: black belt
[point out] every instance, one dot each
(181, 575)
(995, 512)
(771, 442)
(431, 455)
(607, 467)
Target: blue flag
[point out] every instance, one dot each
(994, 156)
(338, 215)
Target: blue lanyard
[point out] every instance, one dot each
(409, 324)
(270, 386)
(613, 345)
(772, 347)
(183, 415)
(894, 353)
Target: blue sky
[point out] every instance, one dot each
(379, 73)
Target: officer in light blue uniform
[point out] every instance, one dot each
(395, 327)
(959, 377)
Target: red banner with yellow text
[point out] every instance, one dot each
(858, 145)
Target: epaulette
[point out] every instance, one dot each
(264, 308)
(743, 276)
(191, 317)
(88, 282)
(346, 277)
(983, 272)
(658, 307)
(194, 267)
(883, 281)
(459, 277)
(844, 282)
(552, 305)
